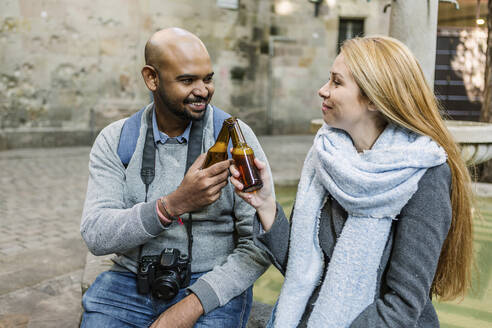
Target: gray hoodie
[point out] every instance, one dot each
(116, 218)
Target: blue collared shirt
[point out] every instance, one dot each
(163, 138)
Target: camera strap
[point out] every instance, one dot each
(147, 172)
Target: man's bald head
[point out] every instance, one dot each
(170, 42)
(179, 73)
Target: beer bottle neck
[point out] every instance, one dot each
(237, 135)
(224, 134)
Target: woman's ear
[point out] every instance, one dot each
(371, 106)
(151, 78)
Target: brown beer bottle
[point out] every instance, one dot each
(244, 156)
(218, 152)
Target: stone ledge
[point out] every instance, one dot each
(51, 303)
(94, 265)
(482, 189)
(260, 312)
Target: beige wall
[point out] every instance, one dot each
(301, 68)
(62, 59)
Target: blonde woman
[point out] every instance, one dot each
(382, 219)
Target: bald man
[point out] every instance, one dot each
(146, 178)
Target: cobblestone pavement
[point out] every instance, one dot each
(41, 252)
(40, 197)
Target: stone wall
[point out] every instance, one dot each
(301, 67)
(75, 65)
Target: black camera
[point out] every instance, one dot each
(163, 275)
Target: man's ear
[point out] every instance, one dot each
(151, 78)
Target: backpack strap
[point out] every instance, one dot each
(129, 136)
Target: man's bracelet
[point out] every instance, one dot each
(166, 221)
(167, 214)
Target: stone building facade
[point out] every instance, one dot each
(74, 66)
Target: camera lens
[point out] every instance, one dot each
(165, 287)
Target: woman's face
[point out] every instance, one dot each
(343, 105)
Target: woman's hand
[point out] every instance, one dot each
(262, 200)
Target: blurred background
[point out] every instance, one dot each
(74, 66)
(68, 68)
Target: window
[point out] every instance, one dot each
(348, 29)
(449, 85)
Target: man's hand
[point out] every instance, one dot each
(183, 314)
(199, 187)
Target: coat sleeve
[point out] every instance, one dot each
(275, 242)
(420, 232)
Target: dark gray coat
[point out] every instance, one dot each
(409, 259)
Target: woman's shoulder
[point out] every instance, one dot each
(436, 178)
(433, 194)
(440, 172)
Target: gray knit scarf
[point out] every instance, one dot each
(372, 186)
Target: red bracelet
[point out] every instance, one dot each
(164, 220)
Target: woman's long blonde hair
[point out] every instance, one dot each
(389, 75)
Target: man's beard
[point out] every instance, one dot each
(179, 110)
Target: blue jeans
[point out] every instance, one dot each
(113, 301)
